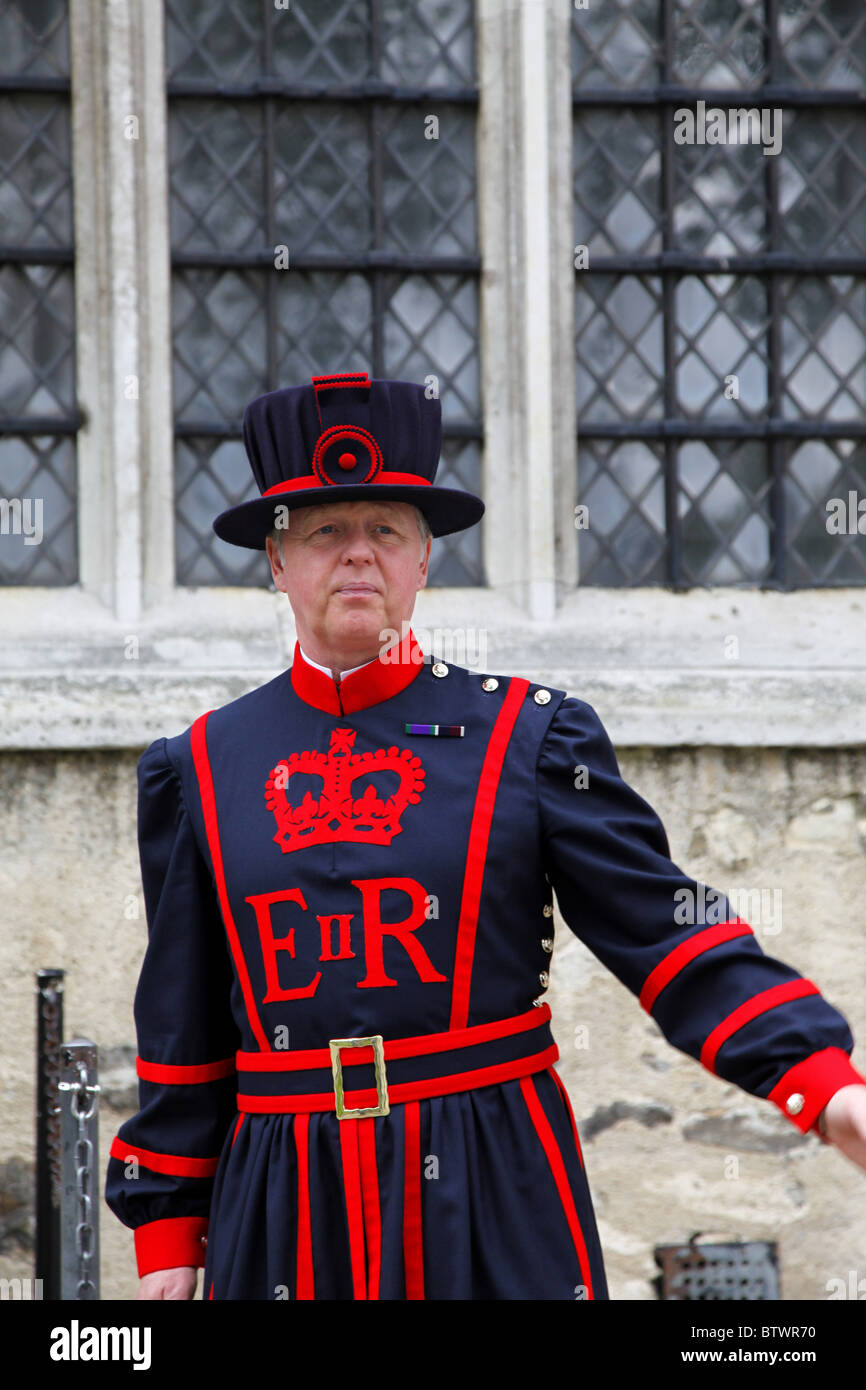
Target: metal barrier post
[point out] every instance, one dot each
(49, 1030)
(79, 1212)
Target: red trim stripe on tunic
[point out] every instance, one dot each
(198, 740)
(305, 1282)
(476, 854)
(170, 1074)
(175, 1165)
(565, 1096)
(687, 951)
(240, 1121)
(753, 1008)
(421, 1045)
(560, 1177)
(370, 1203)
(354, 1206)
(413, 1244)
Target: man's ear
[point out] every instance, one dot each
(278, 573)
(424, 563)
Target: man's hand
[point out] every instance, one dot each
(181, 1282)
(845, 1122)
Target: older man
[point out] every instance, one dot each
(346, 1066)
(351, 571)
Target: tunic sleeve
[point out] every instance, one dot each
(696, 967)
(163, 1161)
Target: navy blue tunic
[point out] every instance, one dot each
(313, 871)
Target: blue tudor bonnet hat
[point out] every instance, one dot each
(345, 438)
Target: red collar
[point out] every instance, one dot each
(377, 681)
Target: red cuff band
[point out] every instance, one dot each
(167, 1244)
(805, 1089)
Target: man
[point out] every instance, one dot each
(345, 1059)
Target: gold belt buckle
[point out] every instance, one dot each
(383, 1108)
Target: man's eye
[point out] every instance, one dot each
(329, 526)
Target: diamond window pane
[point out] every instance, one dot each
(823, 42)
(216, 171)
(322, 178)
(330, 42)
(724, 497)
(323, 317)
(34, 38)
(720, 199)
(431, 328)
(429, 44)
(822, 173)
(618, 348)
(617, 164)
(615, 44)
(622, 484)
(211, 475)
(323, 41)
(824, 347)
(216, 43)
(719, 43)
(460, 562)
(218, 325)
(37, 340)
(721, 347)
(35, 171)
(825, 483)
(429, 201)
(38, 524)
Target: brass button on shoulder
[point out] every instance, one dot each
(541, 697)
(491, 683)
(547, 944)
(439, 668)
(794, 1104)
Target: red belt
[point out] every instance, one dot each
(433, 1064)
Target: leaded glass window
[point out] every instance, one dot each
(38, 412)
(721, 317)
(309, 128)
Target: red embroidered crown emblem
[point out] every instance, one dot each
(335, 814)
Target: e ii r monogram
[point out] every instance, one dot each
(375, 929)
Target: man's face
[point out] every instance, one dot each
(350, 569)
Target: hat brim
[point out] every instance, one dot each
(447, 509)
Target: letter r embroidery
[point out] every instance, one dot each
(375, 929)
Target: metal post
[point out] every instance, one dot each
(79, 1212)
(49, 1030)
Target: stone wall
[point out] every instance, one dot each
(669, 1149)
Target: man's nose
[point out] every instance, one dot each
(357, 543)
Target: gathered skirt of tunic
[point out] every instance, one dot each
(485, 1197)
